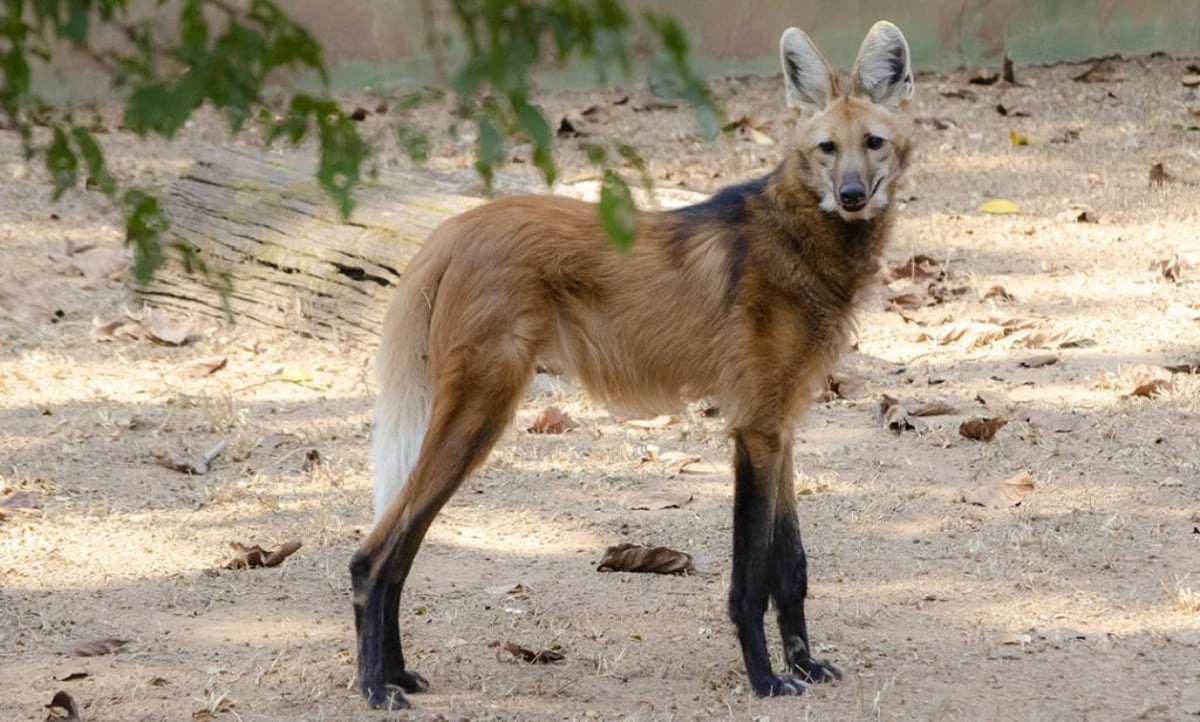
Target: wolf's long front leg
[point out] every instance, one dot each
(789, 580)
(756, 476)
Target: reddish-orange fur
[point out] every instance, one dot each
(746, 299)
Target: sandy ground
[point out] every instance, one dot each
(1080, 603)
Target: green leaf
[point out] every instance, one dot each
(294, 124)
(145, 225)
(75, 27)
(596, 154)
(93, 157)
(16, 72)
(193, 27)
(159, 108)
(61, 162)
(618, 214)
(489, 152)
(414, 142)
(531, 120)
(342, 154)
(635, 159)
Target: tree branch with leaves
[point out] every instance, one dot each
(227, 54)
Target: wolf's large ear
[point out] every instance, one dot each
(883, 72)
(808, 77)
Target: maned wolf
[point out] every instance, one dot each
(746, 298)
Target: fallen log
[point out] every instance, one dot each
(263, 226)
(260, 222)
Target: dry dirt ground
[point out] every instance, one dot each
(940, 598)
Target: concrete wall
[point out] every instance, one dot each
(741, 36)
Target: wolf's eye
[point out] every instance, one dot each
(827, 146)
(874, 142)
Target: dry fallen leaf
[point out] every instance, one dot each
(250, 557)
(552, 420)
(999, 292)
(760, 138)
(1036, 362)
(195, 465)
(1009, 492)
(995, 400)
(95, 263)
(294, 374)
(1102, 71)
(637, 558)
(1018, 138)
(63, 709)
(209, 713)
(98, 647)
(119, 328)
(1048, 338)
(1150, 389)
(166, 330)
(72, 677)
(152, 325)
(1167, 268)
(910, 297)
(933, 408)
(1158, 175)
(971, 334)
(655, 500)
(200, 369)
(999, 205)
(981, 429)
(892, 414)
(678, 460)
(658, 422)
(274, 441)
(545, 656)
(959, 94)
(1185, 368)
(1068, 135)
(19, 502)
(839, 386)
(935, 122)
(918, 267)
(983, 77)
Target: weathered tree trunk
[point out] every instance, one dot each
(260, 219)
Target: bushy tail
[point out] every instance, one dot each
(405, 386)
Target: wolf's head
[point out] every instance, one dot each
(853, 146)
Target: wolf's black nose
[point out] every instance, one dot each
(852, 195)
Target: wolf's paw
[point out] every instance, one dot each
(787, 685)
(391, 697)
(816, 671)
(408, 681)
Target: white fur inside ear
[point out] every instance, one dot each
(807, 76)
(883, 70)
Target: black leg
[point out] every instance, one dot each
(374, 645)
(789, 581)
(394, 671)
(378, 583)
(463, 433)
(756, 470)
